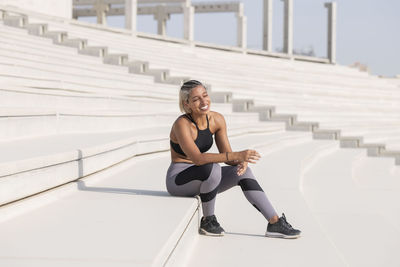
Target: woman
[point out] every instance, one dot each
(194, 172)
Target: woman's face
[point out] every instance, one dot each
(199, 101)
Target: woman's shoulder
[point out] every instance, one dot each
(217, 121)
(217, 117)
(181, 121)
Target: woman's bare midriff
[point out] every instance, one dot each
(176, 158)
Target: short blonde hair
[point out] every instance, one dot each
(185, 91)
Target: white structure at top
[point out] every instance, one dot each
(267, 26)
(162, 9)
(130, 14)
(61, 8)
(288, 27)
(161, 13)
(331, 31)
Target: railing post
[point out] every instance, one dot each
(188, 20)
(161, 16)
(267, 25)
(241, 27)
(101, 11)
(288, 27)
(331, 31)
(130, 14)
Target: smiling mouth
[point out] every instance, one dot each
(204, 108)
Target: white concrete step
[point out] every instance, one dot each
(31, 124)
(38, 164)
(289, 93)
(17, 123)
(101, 193)
(22, 178)
(28, 148)
(285, 62)
(381, 179)
(346, 208)
(244, 243)
(111, 214)
(61, 26)
(66, 65)
(309, 111)
(103, 84)
(148, 44)
(47, 84)
(23, 54)
(89, 29)
(58, 98)
(248, 66)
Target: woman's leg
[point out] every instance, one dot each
(251, 189)
(191, 180)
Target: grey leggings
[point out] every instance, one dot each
(208, 180)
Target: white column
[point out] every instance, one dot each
(101, 11)
(161, 16)
(288, 27)
(267, 25)
(188, 21)
(241, 27)
(130, 14)
(331, 31)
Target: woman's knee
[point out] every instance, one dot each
(248, 182)
(215, 174)
(248, 174)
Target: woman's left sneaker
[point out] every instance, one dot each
(210, 226)
(282, 229)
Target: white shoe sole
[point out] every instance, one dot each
(279, 235)
(204, 232)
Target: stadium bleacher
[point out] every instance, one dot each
(85, 117)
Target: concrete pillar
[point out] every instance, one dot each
(130, 14)
(267, 25)
(161, 16)
(188, 20)
(331, 31)
(101, 11)
(241, 27)
(288, 27)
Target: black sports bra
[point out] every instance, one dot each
(204, 140)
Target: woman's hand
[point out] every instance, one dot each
(249, 156)
(241, 168)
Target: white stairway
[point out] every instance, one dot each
(318, 97)
(84, 127)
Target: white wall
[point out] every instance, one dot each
(61, 8)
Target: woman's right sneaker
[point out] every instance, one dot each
(282, 229)
(210, 226)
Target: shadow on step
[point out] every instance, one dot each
(82, 186)
(243, 234)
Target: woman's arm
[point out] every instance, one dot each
(221, 139)
(233, 158)
(182, 132)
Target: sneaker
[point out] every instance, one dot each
(282, 229)
(210, 226)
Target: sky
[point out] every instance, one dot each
(368, 31)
